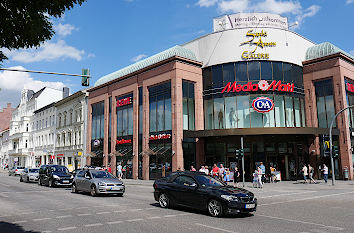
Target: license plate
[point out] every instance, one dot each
(116, 188)
(65, 181)
(250, 206)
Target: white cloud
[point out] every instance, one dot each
(309, 12)
(64, 29)
(48, 52)
(350, 1)
(233, 6)
(16, 81)
(206, 3)
(138, 58)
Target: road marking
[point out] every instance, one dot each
(3, 195)
(84, 214)
(120, 211)
(307, 198)
(133, 210)
(184, 214)
(135, 220)
(287, 194)
(64, 216)
(23, 213)
(93, 225)
(304, 222)
(19, 221)
(41, 219)
(116, 222)
(151, 208)
(103, 213)
(215, 228)
(66, 228)
(170, 216)
(6, 185)
(155, 217)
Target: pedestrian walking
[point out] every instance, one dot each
(311, 172)
(236, 176)
(221, 172)
(260, 174)
(215, 171)
(119, 171)
(227, 177)
(305, 173)
(206, 169)
(109, 169)
(325, 173)
(202, 169)
(262, 167)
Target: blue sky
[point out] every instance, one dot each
(111, 34)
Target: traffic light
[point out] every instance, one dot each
(239, 153)
(85, 78)
(335, 152)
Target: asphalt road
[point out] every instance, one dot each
(283, 207)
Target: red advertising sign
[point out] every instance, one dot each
(123, 141)
(262, 85)
(60, 155)
(160, 136)
(350, 87)
(124, 101)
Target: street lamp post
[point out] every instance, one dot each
(330, 140)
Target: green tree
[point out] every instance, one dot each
(26, 23)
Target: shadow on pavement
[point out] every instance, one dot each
(6, 227)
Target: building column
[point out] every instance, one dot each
(136, 133)
(146, 133)
(106, 125)
(177, 123)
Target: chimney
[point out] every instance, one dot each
(65, 92)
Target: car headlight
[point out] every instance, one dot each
(101, 184)
(229, 198)
(56, 177)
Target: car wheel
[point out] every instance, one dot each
(21, 180)
(39, 182)
(73, 188)
(93, 191)
(164, 200)
(50, 183)
(215, 208)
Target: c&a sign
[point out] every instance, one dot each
(262, 85)
(263, 104)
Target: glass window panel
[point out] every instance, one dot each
(191, 114)
(217, 76)
(279, 111)
(287, 72)
(130, 120)
(266, 70)
(152, 116)
(243, 111)
(289, 107)
(330, 110)
(268, 117)
(185, 88)
(160, 115)
(140, 119)
(168, 121)
(241, 71)
(303, 113)
(191, 90)
(219, 115)
(207, 81)
(125, 122)
(231, 117)
(321, 112)
(119, 122)
(297, 112)
(256, 117)
(253, 70)
(98, 132)
(208, 108)
(94, 123)
(277, 70)
(102, 120)
(185, 113)
(229, 73)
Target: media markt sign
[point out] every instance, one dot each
(262, 85)
(258, 40)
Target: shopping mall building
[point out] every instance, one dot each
(252, 78)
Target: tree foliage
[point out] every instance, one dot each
(26, 23)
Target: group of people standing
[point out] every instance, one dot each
(221, 173)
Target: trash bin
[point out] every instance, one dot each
(346, 173)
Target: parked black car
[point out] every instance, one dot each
(54, 175)
(200, 191)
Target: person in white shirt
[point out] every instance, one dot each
(202, 169)
(325, 172)
(119, 171)
(206, 170)
(305, 173)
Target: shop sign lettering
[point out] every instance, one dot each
(262, 85)
(123, 141)
(350, 87)
(160, 136)
(256, 40)
(124, 101)
(263, 104)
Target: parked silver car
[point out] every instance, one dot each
(29, 175)
(97, 182)
(16, 170)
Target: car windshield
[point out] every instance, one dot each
(34, 170)
(101, 174)
(60, 169)
(207, 181)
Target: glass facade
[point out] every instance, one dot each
(188, 105)
(325, 103)
(234, 109)
(97, 133)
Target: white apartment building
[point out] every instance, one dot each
(4, 147)
(70, 146)
(22, 124)
(44, 134)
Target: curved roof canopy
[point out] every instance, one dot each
(171, 52)
(322, 50)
